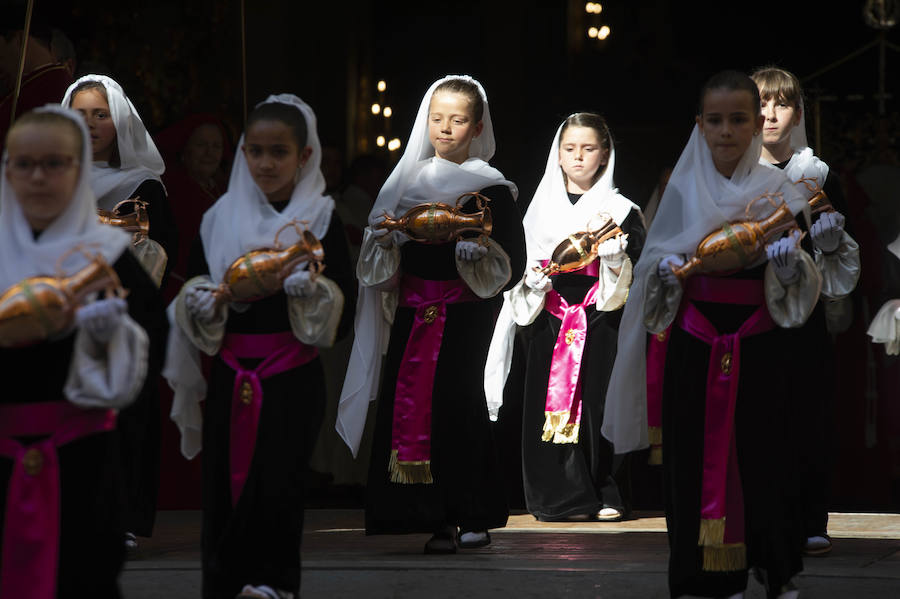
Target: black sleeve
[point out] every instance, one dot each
(162, 222)
(340, 269)
(633, 226)
(145, 306)
(197, 264)
(507, 228)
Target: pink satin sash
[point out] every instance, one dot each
(722, 505)
(282, 352)
(411, 428)
(562, 410)
(656, 370)
(31, 524)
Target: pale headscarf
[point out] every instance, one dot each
(697, 201)
(419, 177)
(22, 256)
(804, 163)
(138, 156)
(243, 219)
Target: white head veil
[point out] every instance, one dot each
(419, 177)
(697, 200)
(551, 216)
(22, 256)
(243, 219)
(139, 158)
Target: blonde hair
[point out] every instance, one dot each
(779, 84)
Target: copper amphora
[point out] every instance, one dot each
(441, 223)
(580, 249)
(260, 273)
(818, 201)
(43, 306)
(738, 244)
(137, 221)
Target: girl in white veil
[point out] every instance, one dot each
(431, 306)
(59, 402)
(569, 470)
(266, 395)
(725, 427)
(126, 164)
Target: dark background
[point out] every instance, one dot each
(538, 65)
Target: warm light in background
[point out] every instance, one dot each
(376, 108)
(594, 8)
(379, 141)
(592, 32)
(603, 33)
(387, 112)
(394, 144)
(382, 85)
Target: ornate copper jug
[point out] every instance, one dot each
(441, 223)
(738, 244)
(137, 221)
(43, 306)
(261, 273)
(580, 249)
(818, 201)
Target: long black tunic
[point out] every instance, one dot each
(258, 541)
(468, 486)
(574, 479)
(765, 433)
(92, 547)
(140, 422)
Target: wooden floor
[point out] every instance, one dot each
(526, 559)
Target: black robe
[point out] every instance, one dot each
(258, 541)
(574, 479)
(92, 533)
(140, 422)
(468, 489)
(770, 384)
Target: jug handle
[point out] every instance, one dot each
(114, 287)
(771, 197)
(296, 225)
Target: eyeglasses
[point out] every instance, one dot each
(52, 166)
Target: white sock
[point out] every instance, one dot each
(473, 537)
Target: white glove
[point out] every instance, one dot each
(782, 253)
(383, 237)
(299, 283)
(828, 231)
(200, 304)
(537, 280)
(612, 251)
(470, 251)
(664, 270)
(101, 318)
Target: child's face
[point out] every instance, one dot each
(42, 170)
(781, 118)
(580, 157)
(452, 126)
(728, 124)
(95, 110)
(273, 157)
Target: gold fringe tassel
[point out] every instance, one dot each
(712, 532)
(654, 434)
(558, 429)
(725, 558)
(409, 473)
(655, 458)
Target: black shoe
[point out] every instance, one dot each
(442, 542)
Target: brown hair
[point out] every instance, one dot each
(114, 159)
(468, 89)
(777, 83)
(593, 121)
(34, 117)
(731, 81)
